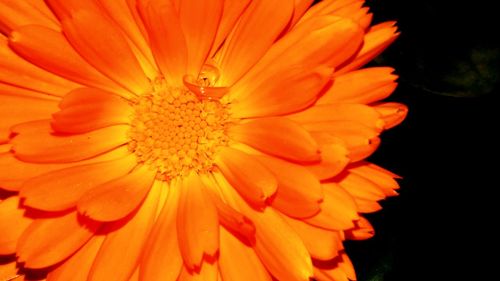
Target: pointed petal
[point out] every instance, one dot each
(103, 111)
(392, 113)
(12, 224)
(322, 244)
(36, 44)
(385, 181)
(277, 136)
(99, 42)
(197, 223)
(299, 191)
(61, 189)
(41, 246)
(363, 230)
(116, 199)
(167, 39)
(44, 147)
(123, 247)
(256, 31)
(238, 260)
(162, 260)
(378, 38)
(199, 21)
(360, 187)
(338, 209)
(284, 92)
(250, 178)
(77, 267)
(361, 86)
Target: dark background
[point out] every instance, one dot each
(441, 226)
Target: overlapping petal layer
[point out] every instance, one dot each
(190, 140)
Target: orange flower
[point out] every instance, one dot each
(188, 139)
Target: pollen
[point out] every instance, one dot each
(176, 132)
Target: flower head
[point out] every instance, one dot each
(188, 139)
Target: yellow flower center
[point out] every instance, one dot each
(175, 132)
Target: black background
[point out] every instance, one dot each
(441, 225)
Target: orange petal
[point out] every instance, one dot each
(351, 9)
(359, 139)
(326, 40)
(14, 172)
(116, 199)
(360, 187)
(77, 267)
(123, 247)
(100, 43)
(208, 272)
(230, 14)
(12, 224)
(338, 209)
(61, 189)
(121, 13)
(361, 86)
(255, 32)
(103, 111)
(233, 220)
(9, 272)
(14, 14)
(277, 136)
(384, 181)
(44, 147)
(322, 244)
(362, 231)
(238, 261)
(327, 7)
(338, 269)
(299, 191)
(367, 206)
(18, 72)
(280, 93)
(162, 259)
(197, 223)
(280, 248)
(199, 21)
(378, 38)
(37, 44)
(362, 114)
(250, 178)
(49, 241)
(392, 113)
(12, 90)
(301, 6)
(17, 109)
(167, 39)
(333, 156)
